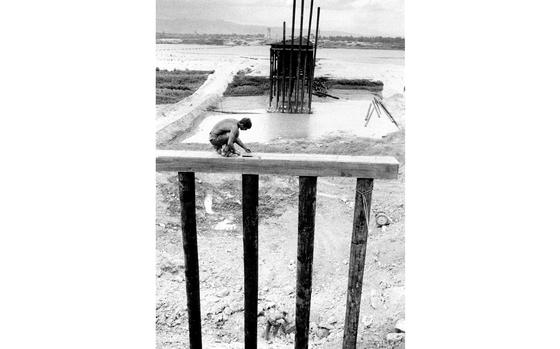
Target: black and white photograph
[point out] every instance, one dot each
(280, 187)
(306, 174)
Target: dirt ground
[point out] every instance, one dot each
(220, 243)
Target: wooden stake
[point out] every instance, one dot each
(250, 203)
(362, 205)
(306, 232)
(190, 250)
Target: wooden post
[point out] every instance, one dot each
(362, 208)
(306, 232)
(250, 203)
(190, 250)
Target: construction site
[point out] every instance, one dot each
(309, 104)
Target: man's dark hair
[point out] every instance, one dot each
(245, 122)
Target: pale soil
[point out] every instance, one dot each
(221, 252)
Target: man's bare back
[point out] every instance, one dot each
(226, 132)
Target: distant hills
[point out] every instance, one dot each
(203, 26)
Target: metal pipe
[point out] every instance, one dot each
(303, 88)
(290, 80)
(274, 74)
(307, 62)
(283, 53)
(299, 55)
(277, 65)
(271, 81)
(314, 56)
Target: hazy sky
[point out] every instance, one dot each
(367, 17)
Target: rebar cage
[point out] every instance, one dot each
(291, 77)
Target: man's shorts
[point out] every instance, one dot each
(218, 140)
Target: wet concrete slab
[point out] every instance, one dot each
(343, 117)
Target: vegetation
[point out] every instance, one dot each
(174, 85)
(208, 39)
(351, 84)
(245, 85)
(341, 41)
(372, 39)
(372, 42)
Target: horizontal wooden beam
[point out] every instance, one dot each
(319, 165)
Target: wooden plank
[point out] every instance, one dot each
(306, 232)
(322, 165)
(190, 250)
(362, 208)
(250, 202)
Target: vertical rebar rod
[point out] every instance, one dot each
(290, 80)
(250, 206)
(277, 66)
(299, 56)
(270, 78)
(274, 73)
(303, 87)
(190, 250)
(283, 55)
(307, 62)
(314, 57)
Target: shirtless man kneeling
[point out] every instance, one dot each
(226, 132)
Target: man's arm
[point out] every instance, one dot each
(233, 134)
(238, 141)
